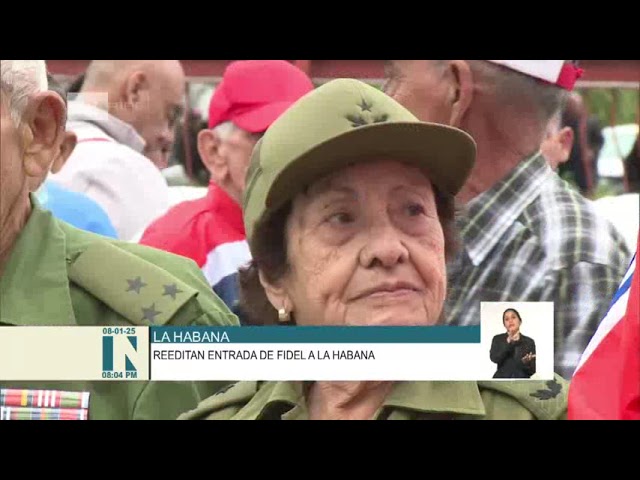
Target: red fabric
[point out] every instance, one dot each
(607, 385)
(196, 227)
(630, 349)
(569, 75)
(254, 93)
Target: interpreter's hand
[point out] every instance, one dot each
(528, 357)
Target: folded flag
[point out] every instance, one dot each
(606, 383)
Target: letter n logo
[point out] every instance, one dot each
(118, 352)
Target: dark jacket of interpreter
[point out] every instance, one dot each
(508, 357)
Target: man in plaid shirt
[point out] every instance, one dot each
(526, 235)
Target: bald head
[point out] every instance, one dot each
(102, 74)
(147, 94)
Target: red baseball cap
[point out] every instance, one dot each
(254, 93)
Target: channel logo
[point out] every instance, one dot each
(121, 356)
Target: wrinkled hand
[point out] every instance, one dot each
(528, 357)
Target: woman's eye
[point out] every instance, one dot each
(341, 218)
(415, 209)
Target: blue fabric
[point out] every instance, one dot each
(228, 290)
(76, 209)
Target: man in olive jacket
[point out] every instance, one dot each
(52, 274)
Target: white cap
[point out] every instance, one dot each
(556, 72)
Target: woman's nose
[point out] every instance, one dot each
(384, 248)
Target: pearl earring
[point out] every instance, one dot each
(283, 315)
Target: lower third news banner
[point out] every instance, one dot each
(244, 353)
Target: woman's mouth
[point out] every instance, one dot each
(389, 290)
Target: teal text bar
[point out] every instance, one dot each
(315, 334)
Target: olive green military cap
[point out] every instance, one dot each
(342, 122)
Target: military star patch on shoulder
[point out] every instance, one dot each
(172, 290)
(150, 313)
(135, 284)
(554, 389)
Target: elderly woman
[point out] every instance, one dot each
(349, 215)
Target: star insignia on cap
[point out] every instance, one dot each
(172, 290)
(357, 120)
(135, 285)
(554, 389)
(364, 106)
(360, 121)
(150, 313)
(366, 115)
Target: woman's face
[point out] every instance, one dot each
(366, 247)
(511, 322)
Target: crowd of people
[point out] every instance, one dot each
(342, 204)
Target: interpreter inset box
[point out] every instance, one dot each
(517, 340)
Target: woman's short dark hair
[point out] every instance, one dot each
(511, 310)
(269, 253)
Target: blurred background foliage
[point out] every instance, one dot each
(613, 104)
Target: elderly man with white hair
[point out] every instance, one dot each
(57, 275)
(527, 236)
(124, 118)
